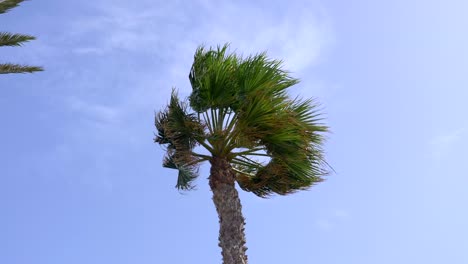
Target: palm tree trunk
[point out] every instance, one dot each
(229, 208)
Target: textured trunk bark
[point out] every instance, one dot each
(228, 206)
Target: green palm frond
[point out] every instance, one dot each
(17, 68)
(292, 137)
(6, 5)
(176, 126)
(244, 114)
(8, 39)
(286, 130)
(213, 79)
(180, 132)
(258, 73)
(187, 173)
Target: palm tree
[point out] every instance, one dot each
(253, 133)
(8, 39)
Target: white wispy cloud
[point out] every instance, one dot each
(331, 219)
(442, 145)
(324, 224)
(298, 32)
(95, 112)
(340, 213)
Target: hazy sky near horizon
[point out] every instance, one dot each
(81, 179)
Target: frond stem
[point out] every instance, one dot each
(201, 156)
(251, 160)
(208, 122)
(247, 162)
(251, 152)
(242, 172)
(205, 145)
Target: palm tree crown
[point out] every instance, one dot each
(8, 39)
(239, 111)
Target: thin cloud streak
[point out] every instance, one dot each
(443, 145)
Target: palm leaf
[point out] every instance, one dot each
(187, 173)
(8, 39)
(6, 5)
(293, 140)
(212, 77)
(17, 68)
(287, 130)
(244, 106)
(180, 132)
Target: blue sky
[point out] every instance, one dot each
(81, 180)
